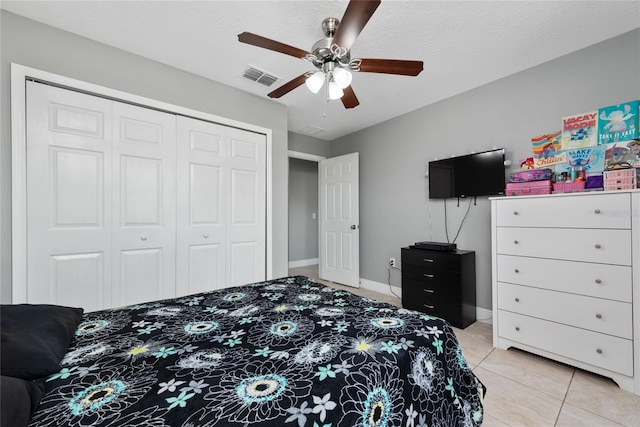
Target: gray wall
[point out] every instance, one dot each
(308, 144)
(394, 207)
(303, 202)
(43, 47)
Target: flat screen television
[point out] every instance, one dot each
(478, 174)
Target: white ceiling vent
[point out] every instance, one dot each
(311, 130)
(257, 75)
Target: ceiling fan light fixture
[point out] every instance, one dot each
(342, 77)
(335, 91)
(315, 81)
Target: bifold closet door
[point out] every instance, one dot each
(69, 205)
(100, 200)
(221, 219)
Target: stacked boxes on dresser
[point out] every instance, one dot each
(620, 179)
(525, 183)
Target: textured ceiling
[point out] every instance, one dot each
(464, 44)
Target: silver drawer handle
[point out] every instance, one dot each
(598, 246)
(516, 270)
(598, 281)
(599, 350)
(428, 275)
(206, 236)
(598, 316)
(515, 212)
(143, 238)
(597, 211)
(429, 291)
(428, 306)
(517, 299)
(518, 328)
(427, 260)
(516, 242)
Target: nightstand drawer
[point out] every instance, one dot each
(433, 276)
(448, 312)
(429, 291)
(603, 246)
(605, 351)
(432, 261)
(583, 278)
(579, 211)
(595, 314)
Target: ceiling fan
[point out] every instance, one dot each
(331, 56)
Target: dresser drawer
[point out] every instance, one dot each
(597, 280)
(599, 315)
(432, 261)
(428, 290)
(580, 211)
(605, 351)
(602, 246)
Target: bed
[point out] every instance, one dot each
(285, 352)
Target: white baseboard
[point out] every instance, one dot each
(304, 262)
(483, 315)
(382, 288)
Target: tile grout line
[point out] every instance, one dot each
(564, 399)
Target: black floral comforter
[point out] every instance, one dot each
(286, 352)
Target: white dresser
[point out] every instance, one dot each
(566, 280)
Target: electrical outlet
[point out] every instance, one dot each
(392, 262)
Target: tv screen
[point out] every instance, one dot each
(478, 174)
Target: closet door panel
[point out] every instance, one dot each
(246, 207)
(201, 222)
(144, 204)
(68, 198)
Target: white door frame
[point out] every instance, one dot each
(19, 75)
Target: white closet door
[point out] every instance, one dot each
(221, 206)
(68, 198)
(246, 207)
(203, 150)
(144, 198)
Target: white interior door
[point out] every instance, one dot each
(68, 198)
(144, 199)
(339, 220)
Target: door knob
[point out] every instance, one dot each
(353, 227)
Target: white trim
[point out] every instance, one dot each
(304, 262)
(381, 288)
(304, 156)
(19, 75)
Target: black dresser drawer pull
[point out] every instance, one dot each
(427, 260)
(429, 306)
(427, 275)
(429, 291)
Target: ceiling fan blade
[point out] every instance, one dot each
(288, 87)
(391, 66)
(256, 40)
(355, 18)
(349, 99)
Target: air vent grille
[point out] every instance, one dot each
(311, 130)
(257, 75)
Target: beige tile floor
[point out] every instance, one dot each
(527, 390)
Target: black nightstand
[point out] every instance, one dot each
(441, 284)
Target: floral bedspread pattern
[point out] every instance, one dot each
(286, 352)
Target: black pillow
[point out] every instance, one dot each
(18, 400)
(35, 338)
